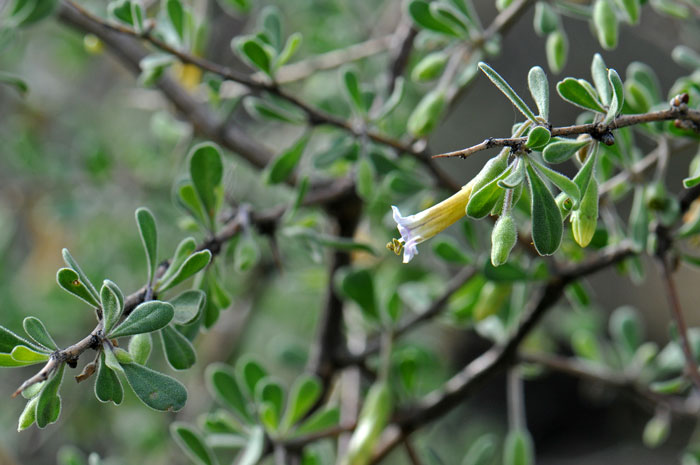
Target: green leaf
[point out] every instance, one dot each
(107, 385)
(279, 169)
(546, 19)
(482, 201)
(247, 253)
(626, 329)
(178, 349)
(224, 388)
(251, 372)
(319, 421)
(36, 330)
(290, 47)
(137, 14)
(153, 67)
(110, 359)
(28, 415)
(351, 84)
(29, 12)
(686, 56)
(481, 451)
(149, 235)
(430, 67)
(450, 16)
(255, 53)
(420, 12)
(448, 250)
(70, 261)
(184, 249)
(547, 227)
(358, 285)
(265, 110)
(508, 91)
(631, 8)
(176, 15)
(269, 396)
(364, 179)
(304, 394)
(70, 281)
(14, 81)
(121, 11)
(192, 443)
(254, 448)
(564, 184)
(6, 360)
(599, 73)
(9, 340)
(577, 93)
(557, 50)
(394, 99)
(147, 317)
(326, 240)
(271, 23)
(194, 264)
(206, 170)
(187, 198)
(518, 449)
(156, 390)
(188, 305)
(427, 113)
(111, 308)
(618, 96)
(539, 89)
(671, 386)
(538, 137)
(605, 24)
(516, 176)
(140, 346)
(656, 430)
(48, 407)
(25, 355)
(562, 149)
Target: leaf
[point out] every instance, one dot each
(562, 149)
(178, 349)
(364, 179)
(420, 12)
(319, 421)
(25, 355)
(149, 235)
(14, 81)
(279, 169)
(194, 264)
(564, 184)
(326, 240)
(508, 91)
(357, 284)
(140, 346)
(290, 47)
(111, 308)
(631, 8)
(107, 385)
(254, 448)
(427, 113)
(36, 330)
(518, 449)
(156, 390)
(546, 19)
(538, 137)
(394, 99)
(448, 250)
(539, 89)
(111, 359)
(192, 443)
(547, 227)
(206, 170)
(176, 15)
(6, 360)
(153, 66)
(251, 372)
(247, 253)
(255, 53)
(557, 50)
(516, 176)
(304, 394)
(626, 329)
(605, 24)
(577, 93)
(224, 388)
(599, 73)
(187, 306)
(184, 249)
(48, 407)
(482, 201)
(265, 110)
(70, 261)
(187, 197)
(269, 396)
(351, 84)
(481, 451)
(618, 96)
(147, 317)
(70, 281)
(28, 415)
(430, 67)
(9, 340)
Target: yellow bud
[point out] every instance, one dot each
(585, 219)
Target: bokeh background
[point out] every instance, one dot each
(88, 145)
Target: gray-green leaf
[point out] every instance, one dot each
(547, 226)
(178, 349)
(194, 263)
(149, 236)
(156, 390)
(539, 89)
(70, 281)
(107, 384)
(508, 91)
(206, 170)
(147, 317)
(192, 443)
(36, 330)
(48, 407)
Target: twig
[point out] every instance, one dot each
(411, 452)
(516, 401)
(597, 130)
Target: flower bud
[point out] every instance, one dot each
(503, 239)
(491, 170)
(585, 219)
(429, 67)
(655, 195)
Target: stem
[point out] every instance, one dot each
(516, 402)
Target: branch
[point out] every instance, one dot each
(596, 130)
(572, 367)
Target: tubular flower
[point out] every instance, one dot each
(422, 226)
